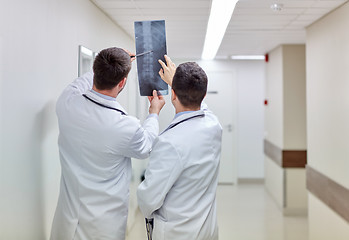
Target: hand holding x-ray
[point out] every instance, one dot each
(156, 103)
(167, 71)
(131, 54)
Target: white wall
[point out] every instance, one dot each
(274, 174)
(274, 94)
(1, 73)
(39, 57)
(328, 115)
(274, 181)
(250, 119)
(251, 77)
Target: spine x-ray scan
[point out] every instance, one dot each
(150, 47)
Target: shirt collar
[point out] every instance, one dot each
(103, 96)
(181, 113)
(114, 103)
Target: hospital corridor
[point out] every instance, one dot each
(246, 136)
(246, 212)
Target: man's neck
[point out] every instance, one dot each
(180, 109)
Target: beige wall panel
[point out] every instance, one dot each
(328, 95)
(295, 191)
(324, 224)
(294, 97)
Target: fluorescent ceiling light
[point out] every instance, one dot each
(248, 57)
(220, 15)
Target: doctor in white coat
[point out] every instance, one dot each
(96, 141)
(179, 190)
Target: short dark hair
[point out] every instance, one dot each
(190, 84)
(110, 67)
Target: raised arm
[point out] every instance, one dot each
(142, 142)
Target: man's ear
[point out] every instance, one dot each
(173, 95)
(122, 83)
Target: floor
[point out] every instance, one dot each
(245, 212)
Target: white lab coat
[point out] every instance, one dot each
(95, 146)
(179, 190)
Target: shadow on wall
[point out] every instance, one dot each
(48, 171)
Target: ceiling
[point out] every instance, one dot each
(254, 28)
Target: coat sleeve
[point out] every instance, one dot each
(81, 84)
(163, 171)
(204, 106)
(77, 87)
(140, 145)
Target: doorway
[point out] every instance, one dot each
(221, 99)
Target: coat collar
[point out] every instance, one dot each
(185, 117)
(108, 103)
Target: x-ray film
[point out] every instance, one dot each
(150, 47)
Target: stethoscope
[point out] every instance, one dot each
(102, 105)
(182, 121)
(122, 113)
